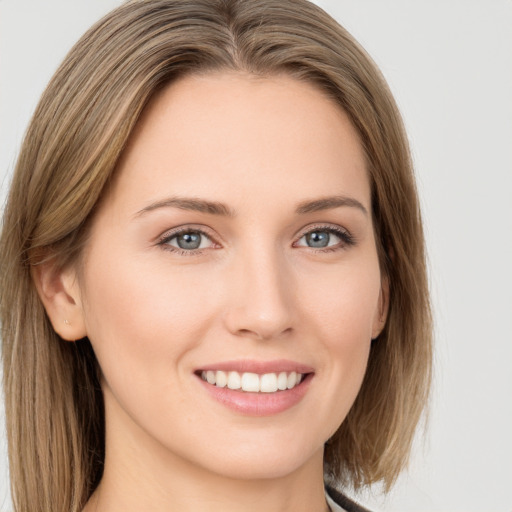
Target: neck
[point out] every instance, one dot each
(212, 495)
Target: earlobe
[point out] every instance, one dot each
(60, 294)
(381, 314)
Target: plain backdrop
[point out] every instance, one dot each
(449, 64)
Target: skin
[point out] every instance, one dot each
(254, 290)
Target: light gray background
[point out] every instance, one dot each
(449, 64)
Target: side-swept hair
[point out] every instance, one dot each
(54, 407)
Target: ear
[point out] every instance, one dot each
(59, 291)
(381, 314)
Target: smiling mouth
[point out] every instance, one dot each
(253, 382)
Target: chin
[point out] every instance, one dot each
(268, 462)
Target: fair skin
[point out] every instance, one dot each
(215, 249)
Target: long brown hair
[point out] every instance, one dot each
(54, 408)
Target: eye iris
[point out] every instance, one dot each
(318, 239)
(189, 240)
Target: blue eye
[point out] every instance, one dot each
(325, 238)
(188, 240)
(319, 239)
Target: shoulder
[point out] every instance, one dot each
(345, 503)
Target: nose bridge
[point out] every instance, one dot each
(260, 299)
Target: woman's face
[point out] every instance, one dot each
(236, 245)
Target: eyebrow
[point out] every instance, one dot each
(189, 203)
(216, 208)
(328, 203)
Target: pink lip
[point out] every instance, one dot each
(258, 404)
(259, 367)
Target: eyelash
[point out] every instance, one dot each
(347, 240)
(167, 237)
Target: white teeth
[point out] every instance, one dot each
(221, 379)
(252, 382)
(268, 383)
(282, 381)
(292, 380)
(234, 380)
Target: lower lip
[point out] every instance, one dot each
(258, 404)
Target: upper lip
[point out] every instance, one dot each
(259, 367)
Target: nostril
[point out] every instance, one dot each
(264, 333)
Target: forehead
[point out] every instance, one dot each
(223, 133)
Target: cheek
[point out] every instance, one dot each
(143, 315)
(344, 324)
(341, 314)
(343, 303)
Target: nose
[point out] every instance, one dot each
(260, 304)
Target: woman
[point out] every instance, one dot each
(213, 283)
